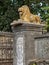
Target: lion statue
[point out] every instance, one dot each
(27, 16)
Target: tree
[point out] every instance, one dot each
(7, 14)
(46, 16)
(9, 11)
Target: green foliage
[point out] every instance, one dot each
(7, 14)
(9, 11)
(46, 8)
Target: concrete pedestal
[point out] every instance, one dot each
(24, 47)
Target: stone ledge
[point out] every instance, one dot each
(39, 60)
(19, 22)
(21, 25)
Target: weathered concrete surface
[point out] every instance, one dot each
(42, 46)
(25, 36)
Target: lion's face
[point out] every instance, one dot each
(20, 10)
(23, 9)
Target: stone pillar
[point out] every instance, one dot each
(24, 47)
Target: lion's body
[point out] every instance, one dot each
(27, 16)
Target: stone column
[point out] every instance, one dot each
(24, 47)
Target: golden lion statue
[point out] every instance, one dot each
(27, 16)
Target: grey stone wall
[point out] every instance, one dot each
(26, 37)
(42, 46)
(28, 47)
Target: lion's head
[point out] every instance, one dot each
(23, 9)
